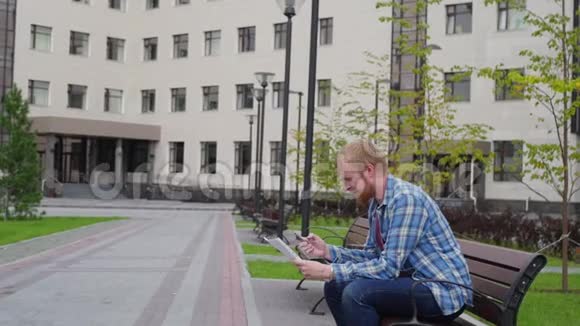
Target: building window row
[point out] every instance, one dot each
(458, 86)
(208, 156)
(41, 39)
(39, 90)
(510, 16)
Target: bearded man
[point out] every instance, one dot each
(409, 239)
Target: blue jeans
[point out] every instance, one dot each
(365, 301)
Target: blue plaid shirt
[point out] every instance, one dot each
(417, 236)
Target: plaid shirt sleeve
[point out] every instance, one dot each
(407, 220)
(341, 255)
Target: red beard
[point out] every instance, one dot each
(365, 196)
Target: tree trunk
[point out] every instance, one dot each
(565, 154)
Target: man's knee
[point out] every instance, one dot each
(353, 292)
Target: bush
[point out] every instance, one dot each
(512, 230)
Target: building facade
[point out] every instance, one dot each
(472, 34)
(146, 97)
(127, 93)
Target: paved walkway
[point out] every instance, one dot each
(160, 267)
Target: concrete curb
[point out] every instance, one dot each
(252, 314)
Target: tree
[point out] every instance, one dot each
(550, 82)
(19, 164)
(425, 140)
(329, 138)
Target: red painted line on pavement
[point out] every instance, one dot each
(122, 232)
(232, 307)
(50, 254)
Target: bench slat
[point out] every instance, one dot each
(355, 238)
(358, 230)
(490, 288)
(362, 222)
(496, 273)
(494, 255)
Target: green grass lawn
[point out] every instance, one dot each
(275, 270)
(557, 261)
(546, 309)
(245, 224)
(250, 249)
(553, 281)
(14, 231)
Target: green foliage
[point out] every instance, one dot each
(548, 83)
(329, 138)
(19, 163)
(425, 141)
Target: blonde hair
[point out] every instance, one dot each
(363, 151)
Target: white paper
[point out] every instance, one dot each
(283, 248)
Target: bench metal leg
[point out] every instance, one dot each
(299, 286)
(317, 313)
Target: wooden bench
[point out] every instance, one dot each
(500, 276)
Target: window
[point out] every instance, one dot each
(326, 31)
(113, 100)
(278, 94)
(115, 49)
(324, 92)
(276, 158)
(210, 98)
(506, 90)
(246, 39)
(458, 87)
(510, 16)
(38, 92)
(212, 42)
(245, 96)
(40, 37)
(180, 46)
(178, 99)
(459, 18)
(280, 34)
(76, 96)
(243, 158)
(181, 2)
(507, 165)
(150, 49)
(208, 157)
(117, 4)
(79, 43)
(152, 4)
(148, 101)
(176, 157)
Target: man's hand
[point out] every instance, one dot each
(314, 270)
(314, 246)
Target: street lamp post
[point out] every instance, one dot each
(289, 7)
(306, 195)
(251, 122)
(264, 78)
(258, 96)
